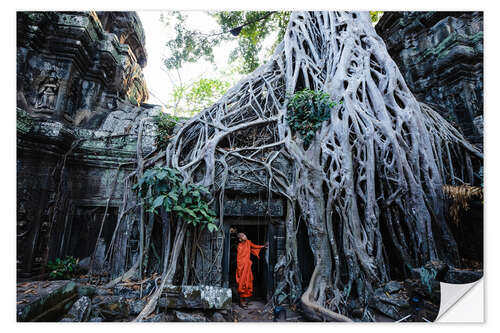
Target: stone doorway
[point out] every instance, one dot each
(262, 221)
(83, 230)
(258, 234)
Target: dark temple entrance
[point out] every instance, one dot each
(82, 231)
(262, 221)
(258, 235)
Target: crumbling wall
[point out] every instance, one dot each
(440, 55)
(80, 98)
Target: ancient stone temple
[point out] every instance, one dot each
(440, 55)
(80, 98)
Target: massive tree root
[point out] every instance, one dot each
(314, 311)
(368, 187)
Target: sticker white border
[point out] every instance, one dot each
(462, 303)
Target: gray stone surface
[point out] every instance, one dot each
(111, 308)
(136, 306)
(128, 29)
(462, 276)
(128, 292)
(159, 318)
(440, 55)
(45, 301)
(195, 297)
(253, 206)
(412, 299)
(393, 287)
(69, 67)
(217, 317)
(79, 312)
(87, 290)
(77, 81)
(189, 317)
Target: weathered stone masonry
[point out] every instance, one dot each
(440, 55)
(79, 91)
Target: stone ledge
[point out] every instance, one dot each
(48, 302)
(195, 297)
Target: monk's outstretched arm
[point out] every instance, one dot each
(255, 249)
(255, 246)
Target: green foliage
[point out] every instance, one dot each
(192, 45)
(188, 45)
(375, 16)
(164, 187)
(204, 93)
(307, 110)
(62, 268)
(165, 127)
(251, 37)
(191, 98)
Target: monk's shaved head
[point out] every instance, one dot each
(242, 237)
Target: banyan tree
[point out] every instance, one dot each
(368, 184)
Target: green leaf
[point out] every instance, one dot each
(190, 212)
(211, 227)
(161, 174)
(158, 201)
(173, 195)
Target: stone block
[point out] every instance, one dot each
(49, 303)
(79, 312)
(195, 297)
(189, 317)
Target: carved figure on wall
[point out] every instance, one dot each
(88, 91)
(47, 92)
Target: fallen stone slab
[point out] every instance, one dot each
(79, 312)
(189, 317)
(218, 317)
(87, 290)
(195, 297)
(392, 287)
(45, 300)
(160, 318)
(111, 308)
(391, 305)
(387, 309)
(462, 276)
(136, 306)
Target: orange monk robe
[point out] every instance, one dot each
(244, 276)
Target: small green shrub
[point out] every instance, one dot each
(62, 268)
(163, 187)
(166, 124)
(307, 110)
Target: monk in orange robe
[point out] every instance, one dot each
(244, 276)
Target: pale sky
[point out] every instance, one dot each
(157, 34)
